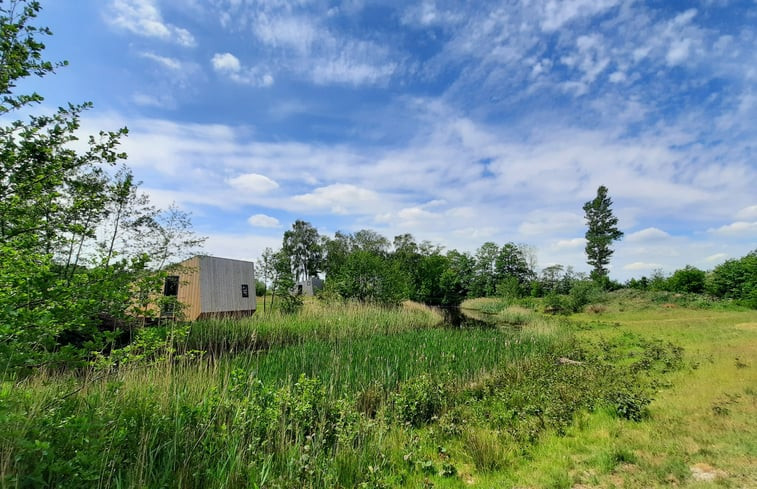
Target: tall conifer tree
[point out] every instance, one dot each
(602, 231)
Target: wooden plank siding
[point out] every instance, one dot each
(211, 286)
(189, 287)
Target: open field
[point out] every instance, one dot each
(702, 426)
(354, 396)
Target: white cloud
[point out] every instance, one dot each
(148, 100)
(646, 235)
(678, 52)
(226, 63)
(263, 221)
(164, 61)
(253, 182)
(737, 228)
(229, 65)
(143, 18)
(353, 70)
(559, 12)
(747, 213)
(717, 257)
(342, 199)
(288, 31)
(547, 223)
(640, 265)
(240, 246)
(300, 40)
(571, 243)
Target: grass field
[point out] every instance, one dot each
(635, 393)
(702, 425)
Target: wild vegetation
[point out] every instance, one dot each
(571, 381)
(82, 251)
(383, 409)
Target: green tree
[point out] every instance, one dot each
(688, 279)
(266, 271)
(736, 279)
(335, 252)
(602, 231)
(370, 277)
(511, 262)
(302, 244)
(484, 278)
(62, 297)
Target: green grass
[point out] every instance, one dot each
(351, 365)
(705, 421)
(317, 321)
(347, 397)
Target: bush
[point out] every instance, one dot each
(419, 400)
(583, 293)
(688, 280)
(556, 304)
(736, 279)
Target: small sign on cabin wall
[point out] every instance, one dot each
(245, 290)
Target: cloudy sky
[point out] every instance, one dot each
(458, 122)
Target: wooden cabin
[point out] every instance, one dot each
(213, 287)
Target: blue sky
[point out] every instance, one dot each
(458, 122)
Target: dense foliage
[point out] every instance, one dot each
(79, 246)
(736, 279)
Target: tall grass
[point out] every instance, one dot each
(301, 411)
(350, 365)
(347, 398)
(316, 322)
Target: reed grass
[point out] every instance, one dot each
(337, 396)
(316, 321)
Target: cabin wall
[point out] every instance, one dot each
(221, 281)
(189, 288)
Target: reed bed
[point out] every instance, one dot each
(314, 407)
(315, 322)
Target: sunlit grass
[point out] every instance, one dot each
(705, 421)
(317, 321)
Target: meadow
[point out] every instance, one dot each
(631, 393)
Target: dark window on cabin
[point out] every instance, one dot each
(245, 290)
(171, 286)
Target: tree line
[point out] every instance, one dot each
(369, 267)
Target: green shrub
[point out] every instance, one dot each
(736, 279)
(556, 304)
(419, 400)
(583, 293)
(688, 280)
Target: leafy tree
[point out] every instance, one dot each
(283, 282)
(61, 300)
(511, 262)
(484, 279)
(302, 244)
(335, 252)
(736, 279)
(602, 231)
(266, 271)
(688, 279)
(371, 241)
(21, 52)
(551, 277)
(370, 277)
